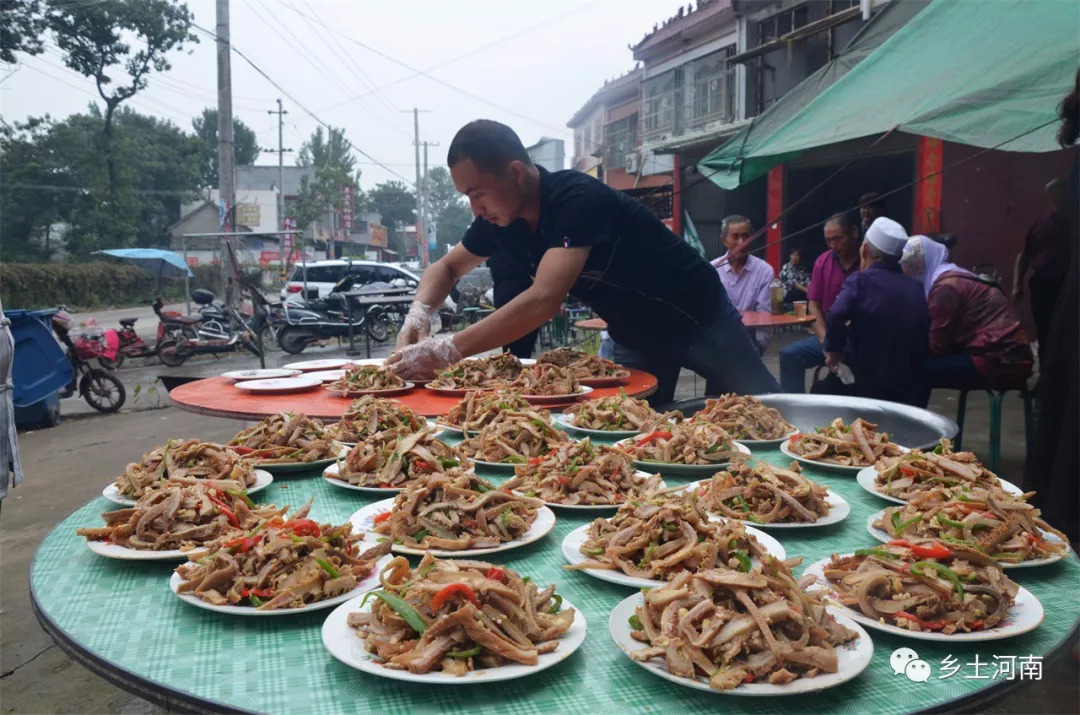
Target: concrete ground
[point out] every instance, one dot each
(66, 466)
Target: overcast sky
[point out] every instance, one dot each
(529, 63)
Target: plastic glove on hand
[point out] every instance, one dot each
(418, 324)
(424, 360)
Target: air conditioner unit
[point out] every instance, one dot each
(633, 162)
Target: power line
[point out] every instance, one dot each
(297, 103)
(459, 90)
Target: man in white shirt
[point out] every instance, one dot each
(746, 278)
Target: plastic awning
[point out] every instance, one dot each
(979, 73)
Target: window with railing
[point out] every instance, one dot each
(689, 97)
(620, 139)
(658, 104)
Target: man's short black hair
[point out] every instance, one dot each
(872, 199)
(847, 224)
(490, 145)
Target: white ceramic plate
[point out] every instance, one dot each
(852, 659)
(684, 470)
(1025, 615)
(342, 642)
(278, 385)
(867, 478)
(367, 584)
(580, 535)
(567, 421)
(583, 390)
(326, 375)
(332, 470)
(364, 520)
(288, 467)
(770, 442)
(838, 468)
(263, 479)
(115, 551)
(883, 536)
(377, 393)
(839, 510)
(259, 374)
(327, 364)
(591, 507)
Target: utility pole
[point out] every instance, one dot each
(226, 153)
(285, 249)
(427, 202)
(421, 240)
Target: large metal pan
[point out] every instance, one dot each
(908, 426)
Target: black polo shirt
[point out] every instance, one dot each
(646, 282)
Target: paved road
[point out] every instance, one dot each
(146, 326)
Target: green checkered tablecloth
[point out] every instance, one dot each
(123, 614)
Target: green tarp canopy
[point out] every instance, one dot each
(969, 71)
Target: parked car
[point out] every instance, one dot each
(324, 275)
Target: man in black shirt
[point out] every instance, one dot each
(568, 233)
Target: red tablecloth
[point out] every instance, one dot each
(217, 397)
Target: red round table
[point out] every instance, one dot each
(216, 397)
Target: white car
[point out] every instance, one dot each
(324, 275)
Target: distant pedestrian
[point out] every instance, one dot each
(794, 277)
(871, 206)
(746, 278)
(1046, 253)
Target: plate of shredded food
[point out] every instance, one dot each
(454, 623)
(615, 416)
(388, 460)
(360, 380)
(184, 462)
(695, 449)
(477, 373)
(649, 542)
(910, 475)
(471, 517)
(989, 520)
(478, 409)
(770, 496)
(746, 419)
(581, 475)
(286, 442)
(372, 415)
(928, 591)
(513, 437)
(841, 447)
(762, 634)
(587, 368)
(172, 520)
(259, 374)
(279, 385)
(285, 565)
(544, 382)
(263, 479)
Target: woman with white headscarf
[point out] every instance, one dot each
(976, 340)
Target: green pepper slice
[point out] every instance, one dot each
(401, 607)
(333, 572)
(880, 553)
(744, 560)
(462, 654)
(948, 573)
(635, 622)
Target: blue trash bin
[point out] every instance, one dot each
(40, 370)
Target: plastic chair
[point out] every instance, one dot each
(997, 398)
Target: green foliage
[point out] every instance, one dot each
(21, 29)
(397, 204)
(245, 145)
(453, 222)
(442, 194)
(330, 154)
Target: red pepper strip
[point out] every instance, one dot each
(749, 678)
(652, 437)
(245, 544)
(423, 466)
(934, 551)
(1036, 540)
(224, 509)
(260, 592)
(796, 438)
(385, 485)
(932, 625)
(542, 457)
(969, 508)
(303, 527)
(453, 589)
(382, 517)
(242, 450)
(496, 573)
(469, 523)
(562, 480)
(908, 471)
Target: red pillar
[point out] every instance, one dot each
(774, 205)
(928, 160)
(676, 196)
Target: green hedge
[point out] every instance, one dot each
(96, 285)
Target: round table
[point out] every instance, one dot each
(120, 620)
(216, 397)
(750, 318)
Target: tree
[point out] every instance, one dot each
(397, 205)
(441, 191)
(97, 40)
(452, 223)
(245, 144)
(330, 155)
(21, 29)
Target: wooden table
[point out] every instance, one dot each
(750, 318)
(217, 397)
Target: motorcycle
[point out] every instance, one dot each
(218, 328)
(330, 317)
(100, 388)
(124, 343)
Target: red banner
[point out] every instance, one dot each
(347, 207)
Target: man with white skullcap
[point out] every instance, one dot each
(879, 324)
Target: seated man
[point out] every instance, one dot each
(830, 270)
(746, 278)
(879, 323)
(976, 340)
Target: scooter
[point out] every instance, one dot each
(124, 343)
(218, 329)
(329, 317)
(101, 389)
